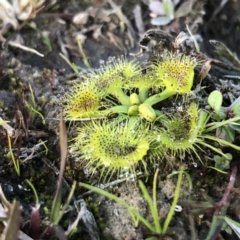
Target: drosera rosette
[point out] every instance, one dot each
(187, 131)
(230, 114)
(83, 101)
(108, 147)
(180, 131)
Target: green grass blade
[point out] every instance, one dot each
(174, 203)
(220, 124)
(34, 191)
(187, 176)
(58, 196)
(213, 148)
(64, 208)
(132, 211)
(219, 140)
(153, 209)
(15, 162)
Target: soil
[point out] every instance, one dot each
(27, 79)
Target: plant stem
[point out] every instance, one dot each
(122, 97)
(72, 65)
(159, 97)
(202, 120)
(80, 48)
(133, 122)
(161, 116)
(213, 148)
(143, 94)
(15, 162)
(222, 141)
(118, 109)
(220, 124)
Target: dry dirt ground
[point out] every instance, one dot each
(26, 77)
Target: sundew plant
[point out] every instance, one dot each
(124, 106)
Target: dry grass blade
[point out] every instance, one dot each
(11, 231)
(18, 45)
(204, 71)
(74, 224)
(3, 213)
(58, 196)
(181, 37)
(225, 53)
(25, 48)
(6, 204)
(63, 145)
(11, 13)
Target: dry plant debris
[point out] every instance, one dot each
(12, 14)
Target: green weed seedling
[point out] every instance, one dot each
(222, 162)
(218, 209)
(228, 117)
(73, 66)
(32, 106)
(80, 48)
(14, 160)
(155, 227)
(10, 153)
(231, 225)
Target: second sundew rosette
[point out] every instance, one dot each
(108, 147)
(180, 132)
